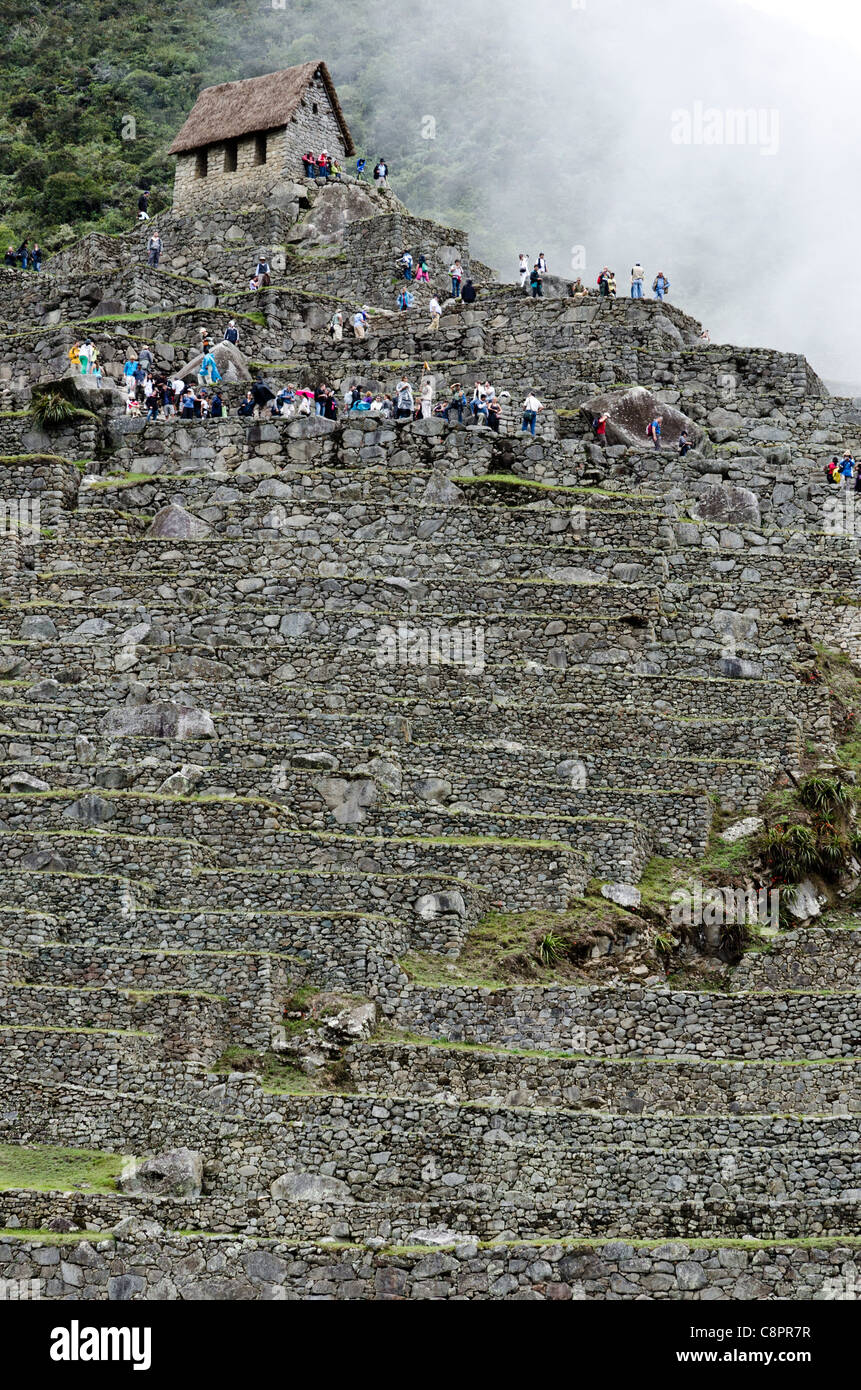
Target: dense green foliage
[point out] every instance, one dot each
(93, 91)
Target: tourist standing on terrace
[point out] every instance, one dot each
(541, 263)
(207, 372)
(531, 407)
(381, 173)
(405, 401)
(523, 269)
(469, 294)
(153, 247)
(336, 327)
(435, 311)
(637, 273)
(143, 206)
(456, 273)
(535, 282)
(231, 333)
(655, 430)
(426, 398)
(457, 402)
(360, 323)
(660, 285)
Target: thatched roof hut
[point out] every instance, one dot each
(231, 110)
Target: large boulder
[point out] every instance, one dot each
(231, 363)
(175, 523)
(335, 206)
(347, 797)
(159, 720)
(178, 1173)
(447, 904)
(631, 411)
(727, 502)
(310, 1187)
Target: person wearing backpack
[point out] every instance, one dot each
(407, 263)
(653, 430)
(381, 173)
(604, 282)
(660, 285)
(599, 425)
(847, 467)
(531, 407)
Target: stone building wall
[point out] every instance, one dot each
(253, 184)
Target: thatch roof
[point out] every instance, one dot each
(259, 103)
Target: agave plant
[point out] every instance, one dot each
(551, 949)
(824, 795)
(790, 851)
(50, 408)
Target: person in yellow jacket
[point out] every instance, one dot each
(75, 357)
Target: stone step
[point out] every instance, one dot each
(256, 962)
(810, 958)
(631, 1085)
(267, 831)
(486, 774)
(119, 604)
(508, 692)
(812, 1268)
(638, 1022)
(188, 1024)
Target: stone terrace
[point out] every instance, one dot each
(285, 703)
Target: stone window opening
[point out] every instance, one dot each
(230, 156)
(259, 149)
(314, 107)
(201, 164)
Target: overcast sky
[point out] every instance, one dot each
(760, 236)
